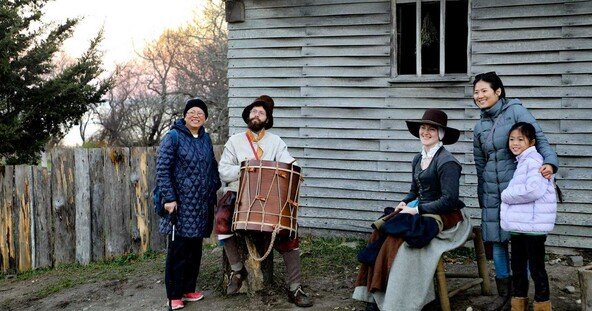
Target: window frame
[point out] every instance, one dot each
(418, 76)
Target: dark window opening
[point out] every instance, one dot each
(454, 47)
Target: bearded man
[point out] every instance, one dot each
(257, 144)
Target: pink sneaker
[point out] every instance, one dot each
(176, 304)
(192, 297)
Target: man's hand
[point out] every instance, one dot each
(546, 170)
(170, 207)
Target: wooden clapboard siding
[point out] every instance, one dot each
(327, 64)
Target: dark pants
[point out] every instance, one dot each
(528, 253)
(182, 265)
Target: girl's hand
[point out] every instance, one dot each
(170, 207)
(546, 170)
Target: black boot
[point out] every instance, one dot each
(504, 293)
(371, 306)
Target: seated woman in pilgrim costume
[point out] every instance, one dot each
(398, 264)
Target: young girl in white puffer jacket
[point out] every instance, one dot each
(528, 211)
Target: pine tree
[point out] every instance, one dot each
(38, 101)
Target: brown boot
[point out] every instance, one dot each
(502, 301)
(235, 281)
(519, 303)
(299, 298)
(543, 306)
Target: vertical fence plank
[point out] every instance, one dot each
(22, 216)
(157, 240)
(117, 201)
(83, 208)
(7, 255)
(43, 219)
(63, 208)
(95, 156)
(140, 205)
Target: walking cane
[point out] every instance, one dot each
(174, 222)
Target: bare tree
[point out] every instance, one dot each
(202, 65)
(184, 63)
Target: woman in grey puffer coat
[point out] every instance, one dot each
(495, 166)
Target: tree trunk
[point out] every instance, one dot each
(259, 272)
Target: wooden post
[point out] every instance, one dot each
(22, 216)
(7, 253)
(63, 206)
(260, 272)
(140, 193)
(97, 204)
(43, 219)
(117, 202)
(585, 276)
(83, 206)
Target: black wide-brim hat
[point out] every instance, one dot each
(262, 101)
(437, 118)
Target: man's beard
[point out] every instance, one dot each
(255, 125)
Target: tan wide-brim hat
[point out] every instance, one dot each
(263, 101)
(437, 118)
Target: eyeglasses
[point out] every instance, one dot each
(258, 112)
(486, 74)
(196, 113)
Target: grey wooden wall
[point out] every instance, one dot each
(327, 65)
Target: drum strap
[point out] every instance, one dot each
(252, 147)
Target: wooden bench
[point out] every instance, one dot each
(480, 277)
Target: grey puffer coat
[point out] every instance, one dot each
(188, 174)
(496, 164)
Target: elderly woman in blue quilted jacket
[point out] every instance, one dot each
(495, 166)
(187, 174)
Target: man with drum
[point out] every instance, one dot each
(257, 144)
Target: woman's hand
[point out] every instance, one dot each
(409, 210)
(546, 170)
(401, 206)
(170, 207)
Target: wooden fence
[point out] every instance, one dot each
(89, 204)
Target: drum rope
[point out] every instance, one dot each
(253, 249)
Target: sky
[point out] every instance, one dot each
(128, 25)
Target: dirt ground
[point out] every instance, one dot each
(139, 286)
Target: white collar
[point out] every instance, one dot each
(432, 152)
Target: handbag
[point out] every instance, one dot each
(224, 212)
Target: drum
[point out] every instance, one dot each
(267, 198)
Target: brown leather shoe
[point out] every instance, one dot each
(235, 281)
(300, 298)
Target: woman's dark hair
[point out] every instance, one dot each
(525, 129)
(494, 81)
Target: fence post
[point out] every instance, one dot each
(83, 208)
(63, 205)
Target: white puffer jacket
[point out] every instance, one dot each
(529, 203)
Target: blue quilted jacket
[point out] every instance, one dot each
(188, 174)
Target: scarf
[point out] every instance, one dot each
(255, 138)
